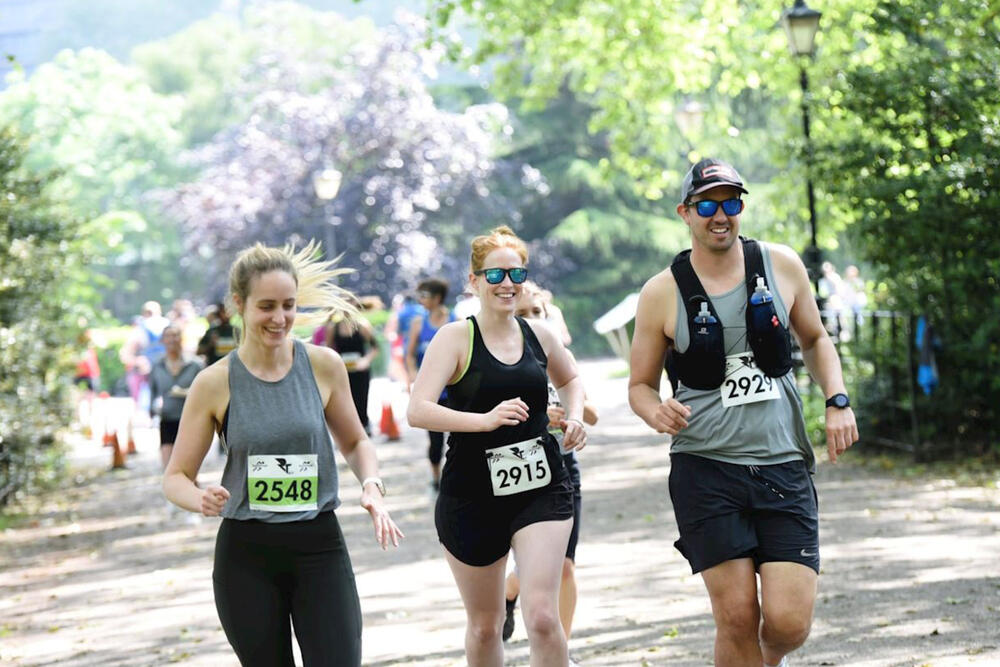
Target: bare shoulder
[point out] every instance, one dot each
(543, 331)
(322, 358)
(783, 257)
(659, 289)
(210, 388)
(215, 377)
(453, 332)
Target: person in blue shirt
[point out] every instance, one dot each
(431, 293)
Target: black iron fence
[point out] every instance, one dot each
(879, 356)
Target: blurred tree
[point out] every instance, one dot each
(38, 324)
(109, 138)
(366, 112)
(635, 61)
(208, 64)
(913, 160)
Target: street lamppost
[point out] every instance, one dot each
(326, 183)
(801, 24)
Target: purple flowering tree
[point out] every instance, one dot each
(412, 174)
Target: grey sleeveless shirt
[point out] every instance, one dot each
(763, 433)
(277, 419)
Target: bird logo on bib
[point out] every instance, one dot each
(519, 467)
(745, 382)
(283, 483)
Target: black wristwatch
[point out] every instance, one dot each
(838, 401)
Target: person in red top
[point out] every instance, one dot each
(88, 378)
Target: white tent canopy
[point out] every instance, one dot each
(612, 325)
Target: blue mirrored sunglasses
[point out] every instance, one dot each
(495, 276)
(707, 207)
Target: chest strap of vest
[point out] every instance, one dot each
(769, 339)
(703, 364)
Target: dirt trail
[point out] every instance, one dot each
(103, 575)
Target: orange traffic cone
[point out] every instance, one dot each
(108, 439)
(98, 412)
(117, 455)
(388, 424)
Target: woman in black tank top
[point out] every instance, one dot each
(504, 483)
(358, 347)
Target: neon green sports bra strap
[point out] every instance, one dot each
(468, 357)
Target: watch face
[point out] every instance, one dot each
(840, 401)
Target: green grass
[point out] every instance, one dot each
(982, 471)
(12, 520)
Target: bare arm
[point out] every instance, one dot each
(411, 348)
(369, 335)
(563, 374)
(559, 324)
(352, 441)
(649, 350)
(209, 391)
(444, 360)
(818, 352)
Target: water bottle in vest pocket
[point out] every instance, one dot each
(769, 338)
(701, 366)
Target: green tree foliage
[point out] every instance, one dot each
(38, 253)
(913, 160)
(209, 65)
(606, 240)
(634, 61)
(110, 139)
(363, 108)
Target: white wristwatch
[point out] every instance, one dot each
(377, 481)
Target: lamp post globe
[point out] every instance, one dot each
(801, 24)
(326, 184)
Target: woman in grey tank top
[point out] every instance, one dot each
(280, 552)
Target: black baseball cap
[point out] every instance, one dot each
(710, 173)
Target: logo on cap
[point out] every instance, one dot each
(719, 170)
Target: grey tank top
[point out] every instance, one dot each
(763, 433)
(276, 418)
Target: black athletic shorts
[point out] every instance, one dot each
(726, 511)
(477, 531)
(168, 431)
(573, 468)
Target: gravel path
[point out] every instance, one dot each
(102, 574)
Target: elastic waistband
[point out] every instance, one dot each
(317, 534)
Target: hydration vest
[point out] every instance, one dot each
(703, 365)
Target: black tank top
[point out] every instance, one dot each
(353, 342)
(486, 383)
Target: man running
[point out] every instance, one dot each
(740, 458)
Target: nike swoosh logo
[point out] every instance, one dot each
(807, 554)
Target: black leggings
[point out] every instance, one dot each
(360, 382)
(267, 572)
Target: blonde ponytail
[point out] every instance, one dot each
(317, 297)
